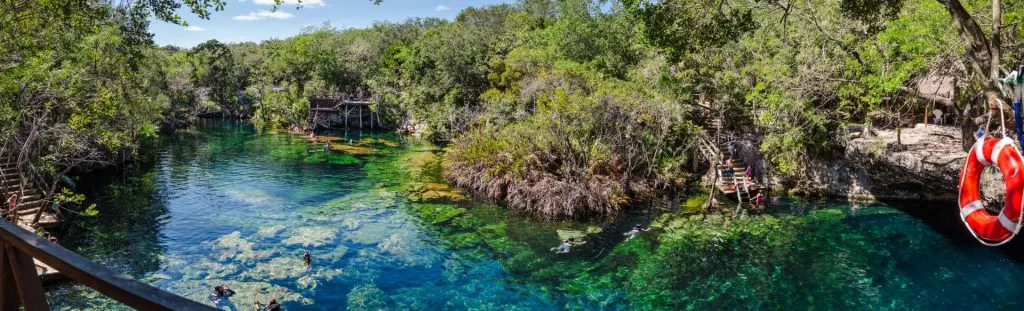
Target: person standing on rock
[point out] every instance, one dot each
(979, 133)
(308, 259)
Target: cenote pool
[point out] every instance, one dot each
(227, 204)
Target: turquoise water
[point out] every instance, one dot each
(227, 204)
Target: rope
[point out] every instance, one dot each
(1002, 117)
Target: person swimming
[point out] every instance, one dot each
(635, 232)
(567, 245)
(222, 291)
(308, 259)
(272, 305)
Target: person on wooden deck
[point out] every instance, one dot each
(327, 146)
(759, 199)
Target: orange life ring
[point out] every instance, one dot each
(992, 229)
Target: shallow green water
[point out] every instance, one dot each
(225, 204)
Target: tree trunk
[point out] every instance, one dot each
(979, 55)
(983, 56)
(967, 127)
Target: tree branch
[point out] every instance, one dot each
(948, 102)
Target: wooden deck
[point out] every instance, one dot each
(329, 112)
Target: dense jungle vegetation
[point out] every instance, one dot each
(568, 108)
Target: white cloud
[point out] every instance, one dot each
(265, 14)
(442, 7)
(195, 28)
(294, 2)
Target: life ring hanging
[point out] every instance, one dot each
(992, 229)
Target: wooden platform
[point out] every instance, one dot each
(328, 112)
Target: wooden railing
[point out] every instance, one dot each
(20, 286)
(333, 102)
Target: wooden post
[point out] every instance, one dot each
(9, 299)
(20, 283)
(30, 287)
(926, 115)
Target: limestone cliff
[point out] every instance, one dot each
(924, 165)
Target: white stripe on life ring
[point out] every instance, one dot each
(999, 148)
(979, 153)
(1007, 223)
(970, 208)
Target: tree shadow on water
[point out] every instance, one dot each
(944, 218)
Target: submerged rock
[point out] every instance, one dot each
(380, 141)
(367, 297)
(311, 236)
(370, 233)
(277, 269)
(353, 150)
(269, 232)
(235, 248)
(334, 255)
(204, 268)
(565, 234)
(350, 224)
(407, 250)
(421, 192)
(245, 293)
(253, 197)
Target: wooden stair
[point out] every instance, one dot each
(739, 184)
(315, 121)
(31, 199)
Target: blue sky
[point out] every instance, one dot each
(253, 20)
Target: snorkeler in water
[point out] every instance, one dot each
(635, 232)
(222, 291)
(271, 305)
(567, 245)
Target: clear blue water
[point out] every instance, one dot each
(227, 204)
